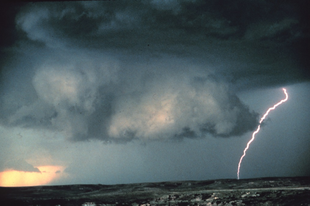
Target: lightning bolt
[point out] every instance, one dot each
(258, 128)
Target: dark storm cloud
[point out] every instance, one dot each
(256, 39)
(146, 21)
(147, 69)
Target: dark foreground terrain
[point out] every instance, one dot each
(263, 191)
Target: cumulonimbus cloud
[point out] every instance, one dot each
(103, 99)
(85, 93)
(179, 104)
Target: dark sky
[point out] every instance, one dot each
(137, 91)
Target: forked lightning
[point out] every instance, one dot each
(258, 128)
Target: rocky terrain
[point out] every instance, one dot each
(263, 191)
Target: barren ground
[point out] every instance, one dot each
(263, 191)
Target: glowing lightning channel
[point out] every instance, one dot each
(258, 128)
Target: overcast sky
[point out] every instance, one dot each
(141, 91)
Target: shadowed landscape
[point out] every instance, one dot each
(261, 191)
